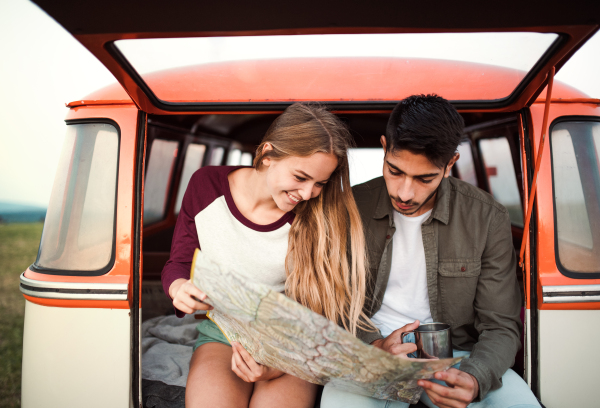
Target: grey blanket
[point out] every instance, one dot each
(167, 343)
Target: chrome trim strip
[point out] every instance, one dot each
(72, 290)
(572, 299)
(571, 294)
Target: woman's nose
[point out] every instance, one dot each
(306, 192)
(310, 190)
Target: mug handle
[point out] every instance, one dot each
(404, 334)
(416, 333)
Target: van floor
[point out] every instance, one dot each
(154, 300)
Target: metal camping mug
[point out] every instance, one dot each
(432, 340)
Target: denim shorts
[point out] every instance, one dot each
(209, 332)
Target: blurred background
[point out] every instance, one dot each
(42, 67)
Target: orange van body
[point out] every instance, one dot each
(191, 110)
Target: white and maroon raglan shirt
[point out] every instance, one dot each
(209, 220)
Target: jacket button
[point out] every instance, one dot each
(463, 269)
(388, 236)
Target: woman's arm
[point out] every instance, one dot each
(176, 272)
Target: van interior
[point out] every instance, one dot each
(178, 145)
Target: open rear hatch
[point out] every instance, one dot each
(369, 49)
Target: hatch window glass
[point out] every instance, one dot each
(575, 150)
(161, 166)
(80, 223)
(487, 66)
(501, 176)
(465, 165)
(194, 156)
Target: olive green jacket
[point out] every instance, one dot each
(471, 272)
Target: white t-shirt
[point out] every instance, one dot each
(406, 298)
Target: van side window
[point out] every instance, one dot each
(80, 223)
(246, 159)
(161, 165)
(234, 157)
(575, 150)
(194, 155)
(465, 165)
(501, 176)
(216, 156)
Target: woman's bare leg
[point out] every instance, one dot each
(285, 391)
(211, 383)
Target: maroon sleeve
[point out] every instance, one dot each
(204, 187)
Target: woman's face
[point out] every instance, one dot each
(295, 179)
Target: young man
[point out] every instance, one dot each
(440, 250)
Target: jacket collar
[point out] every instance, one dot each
(441, 208)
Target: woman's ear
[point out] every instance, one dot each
(267, 147)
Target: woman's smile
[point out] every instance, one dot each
(293, 199)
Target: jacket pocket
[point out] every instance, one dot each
(457, 282)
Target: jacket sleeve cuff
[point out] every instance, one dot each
(369, 337)
(482, 374)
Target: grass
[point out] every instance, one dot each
(18, 249)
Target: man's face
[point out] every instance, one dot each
(412, 180)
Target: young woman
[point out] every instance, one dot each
(285, 222)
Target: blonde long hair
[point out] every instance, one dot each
(326, 258)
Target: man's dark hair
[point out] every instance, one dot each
(427, 125)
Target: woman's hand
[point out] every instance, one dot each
(248, 369)
(187, 297)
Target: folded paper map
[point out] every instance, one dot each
(280, 333)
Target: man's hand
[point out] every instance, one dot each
(461, 390)
(248, 369)
(393, 343)
(187, 297)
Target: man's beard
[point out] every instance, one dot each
(419, 206)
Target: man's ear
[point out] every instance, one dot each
(383, 143)
(451, 163)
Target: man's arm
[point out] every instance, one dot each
(497, 309)
(368, 336)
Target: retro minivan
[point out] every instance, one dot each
(198, 85)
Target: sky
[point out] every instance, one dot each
(43, 67)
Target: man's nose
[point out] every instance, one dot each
(406, 190)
